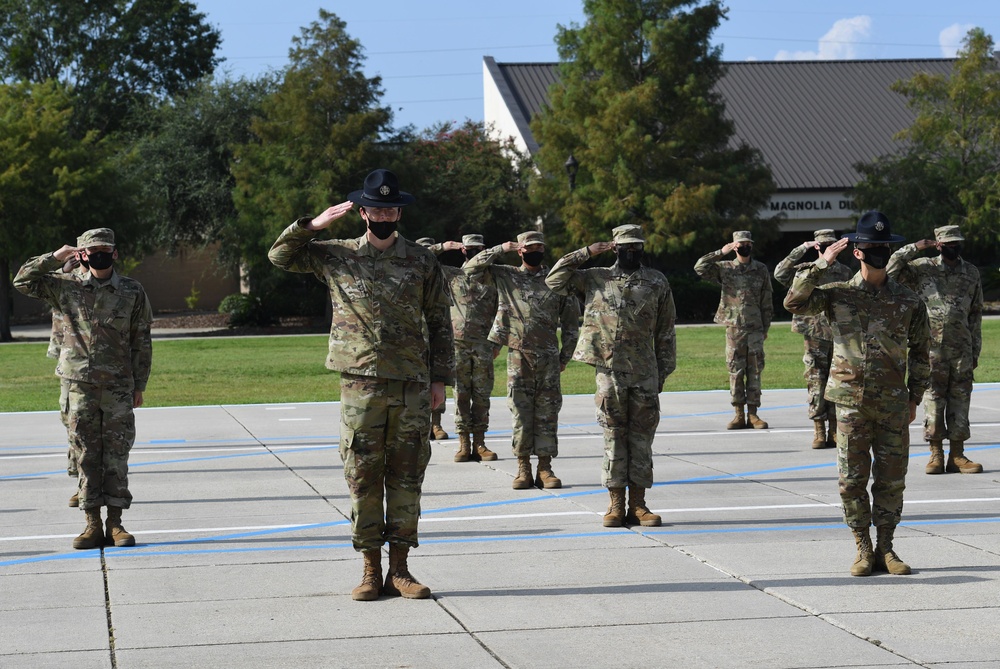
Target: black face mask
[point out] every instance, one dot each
(877, 257)
(100, 259)
(743, 251)
(472, 253)
(533, 258)
(382, 229)
(951, 252)
(629, 259)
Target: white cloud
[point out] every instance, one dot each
(950, 39)
(839, 43)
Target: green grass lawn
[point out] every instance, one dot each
(252, 370)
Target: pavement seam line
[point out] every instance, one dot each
(472, 634)
(107, 610)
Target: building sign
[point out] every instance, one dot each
(810, 206)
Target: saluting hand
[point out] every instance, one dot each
(452, 246)
(330, 215)
(925, 244)
(834, 249)
(597, 248)
(66, 252)
(511, 246)
(729, 248)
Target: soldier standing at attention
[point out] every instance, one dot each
(526, 322)
(628, 337)
(745, 309)
(816, 333)
(437, 431)
(383, 289)
(473, 308)
(104, 360)
(953, 293)
(879, 373)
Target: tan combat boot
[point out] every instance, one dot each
(638, 513)
(819, 434)
(371, 582)
(74, 501)
(936, 464)
(399, 582)
(615, 516)
(438, 433)
(752, 419)
(479, 444)
(885, 558)
(523, 479)
(115, 534)
(957, 462)
(739, 421)
(831, 431)
(865, 559)
(544, 477)
(92, 536)
(464, 448)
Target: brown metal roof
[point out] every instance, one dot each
(812, 120)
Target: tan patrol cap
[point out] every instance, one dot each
(531, 237)
(948, 233)
(96, 237)
(628, 234)
(742, 236)
(824, 236)
(473, 240)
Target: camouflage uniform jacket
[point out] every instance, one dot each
(628, 319)
(746, 291)
(877, 336)
(380, 304)
(814, 327)
(954, 299)
(105, 325)
(529, 312)
(474, 302)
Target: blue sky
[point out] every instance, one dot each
(430, 52)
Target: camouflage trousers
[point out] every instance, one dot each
(473, 385)
(71, 455)
(872, 440)
(817, 361)
(946, 402)
(745, 359)
(535, 398)
(385, 448)
(628, 408)
(437, 414)
(101, 427)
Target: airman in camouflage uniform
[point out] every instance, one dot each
(473, 308)
(817, 335)
(526, 322)
(104, 360)
(437, 431)
(879, 373)
(628, 337)
(952, 290)
(383, 289)
(745, 309)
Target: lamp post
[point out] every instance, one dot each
(571, 166)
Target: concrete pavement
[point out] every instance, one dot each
(244, 556)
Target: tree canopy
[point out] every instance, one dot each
(635, 106)
(112, 53)
(947, 171)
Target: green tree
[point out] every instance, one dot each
(313, 143)
(184, 159)
(636, 107)
(947, 171)
(465, 182)
(52, 185)
(115, 53)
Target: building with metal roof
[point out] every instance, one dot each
(811, 120)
